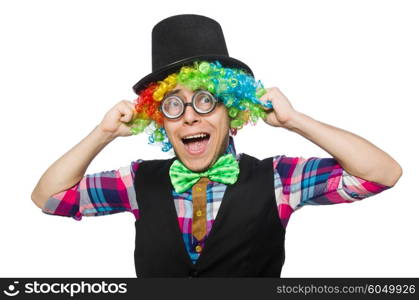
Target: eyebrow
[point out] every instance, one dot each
(177, 91)
(172, 92)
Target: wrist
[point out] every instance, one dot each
(103, 136)
(294, 121)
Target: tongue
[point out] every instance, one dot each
(197, 147)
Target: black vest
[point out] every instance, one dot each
(246, 240)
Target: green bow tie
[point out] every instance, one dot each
(225, 170)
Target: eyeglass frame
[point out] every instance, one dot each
(185, 104)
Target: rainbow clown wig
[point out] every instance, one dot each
(235, 88)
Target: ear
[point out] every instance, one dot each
(233, 131)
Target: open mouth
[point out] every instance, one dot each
(196, 143)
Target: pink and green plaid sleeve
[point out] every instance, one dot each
(316, 181)
(97, 194)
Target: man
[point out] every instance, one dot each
(209, 211)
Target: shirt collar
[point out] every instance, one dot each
(231, 149)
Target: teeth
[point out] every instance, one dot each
(201, 135)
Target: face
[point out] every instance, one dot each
(198, 140)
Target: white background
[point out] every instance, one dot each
(351, 64)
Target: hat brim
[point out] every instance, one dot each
(226, 61)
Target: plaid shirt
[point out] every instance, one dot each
(297, 182)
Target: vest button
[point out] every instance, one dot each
(198, 249)
(193, 273)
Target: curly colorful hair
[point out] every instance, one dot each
(235, 88)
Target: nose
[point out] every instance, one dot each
(190, 116)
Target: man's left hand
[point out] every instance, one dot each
(282, 113)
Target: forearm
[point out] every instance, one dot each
(356, 155)
(71, 167)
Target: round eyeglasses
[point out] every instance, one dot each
(203, 102)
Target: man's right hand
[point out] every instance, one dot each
(116, 119)
(70, 168)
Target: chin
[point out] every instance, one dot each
(199, 149)
(196, 150)
(196, 164)
(198, 153)
(202, 164)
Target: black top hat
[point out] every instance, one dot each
(179, 40)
